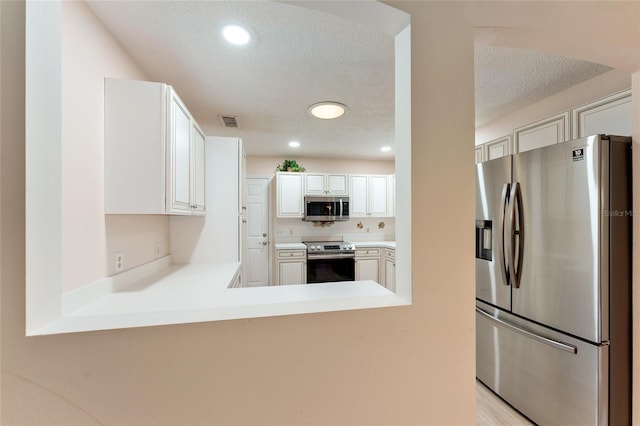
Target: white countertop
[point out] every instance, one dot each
(199, 292)
(301, 246)
(386, 244)
(290, 246)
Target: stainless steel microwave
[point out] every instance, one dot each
(326, 209)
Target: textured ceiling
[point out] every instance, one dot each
(507, 79)
(302, 56)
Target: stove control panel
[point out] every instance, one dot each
(330, 247)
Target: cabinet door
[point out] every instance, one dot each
(610, 116)
(314, 184)
(291, 273)
(242, 179)
(358, 195)
(479, 154)
(498, 148)
(542, 133)
(391, 197)
(390, 274)
(336, 185)
(368, 269)
(289, 197)
(378, 196)
(180, 148)
(198, 172)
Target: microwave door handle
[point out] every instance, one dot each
(341, 208)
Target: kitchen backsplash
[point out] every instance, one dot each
(355, 229)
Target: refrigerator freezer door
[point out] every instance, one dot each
(492, 180)
(563, 283)
(549, 377)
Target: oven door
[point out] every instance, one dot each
(327, 268)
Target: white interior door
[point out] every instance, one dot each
(257, 260)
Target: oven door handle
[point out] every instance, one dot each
(330, 256)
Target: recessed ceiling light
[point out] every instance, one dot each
(294, 144)
(235, 34)
(385, 149)
(327, 110)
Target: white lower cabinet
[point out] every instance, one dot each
(390, 269)
(368, 264)
(292, 267)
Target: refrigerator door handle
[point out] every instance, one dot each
(515, 203)
(504, 200)
(554, 343)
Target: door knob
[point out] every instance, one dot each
(264, 234)
(264, 243)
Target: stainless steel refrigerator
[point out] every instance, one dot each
(553, 281)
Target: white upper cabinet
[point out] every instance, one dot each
(391, 195)
(378, 196)
(198, 175)
(611, 116)
(498, 148)
(290, 194)
(542, 133)
(154, 151)
(479, 154)
(369, 196)
(325, 184)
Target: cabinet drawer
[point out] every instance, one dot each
(390, 253)
(368, 252)
(295, 254)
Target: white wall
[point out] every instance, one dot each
(89, 238)
(266, 166)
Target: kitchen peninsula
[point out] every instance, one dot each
(174, 294)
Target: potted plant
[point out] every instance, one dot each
(290, 166)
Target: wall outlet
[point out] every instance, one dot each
(118, 261)
(157, 250)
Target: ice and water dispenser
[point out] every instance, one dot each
(483, 240)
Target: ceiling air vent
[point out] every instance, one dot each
(228, 120)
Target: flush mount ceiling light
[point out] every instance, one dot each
(235, 34)
(385, 149)
(294, 144)
(327, 110)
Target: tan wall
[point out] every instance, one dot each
(409, 365)
(359, 367)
